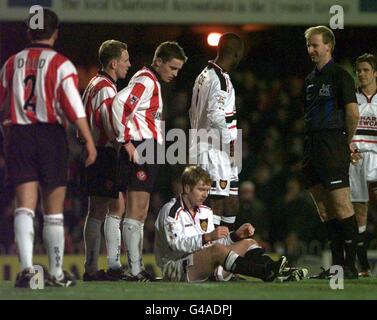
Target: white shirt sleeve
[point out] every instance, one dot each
(176, 238)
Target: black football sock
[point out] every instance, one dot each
(228, 222)
(335, 239)
(258, 255)
(361, 251)
(237, 264)
(350, 233)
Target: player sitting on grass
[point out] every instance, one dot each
(189, 248)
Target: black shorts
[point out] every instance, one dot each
(326, 160)
(37, 152)
(137, 177)
(101, 179)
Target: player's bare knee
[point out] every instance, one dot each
(218, 252)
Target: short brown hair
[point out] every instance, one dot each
(109, 50)
(369, 58)
(327, 35)
(193, 174)
(169, 50)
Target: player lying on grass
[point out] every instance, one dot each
(189, 248)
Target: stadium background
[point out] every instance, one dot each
(268, 86)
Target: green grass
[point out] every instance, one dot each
(363, 289)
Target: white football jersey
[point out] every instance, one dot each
(365, 137)
(178, 233)
(213, 103)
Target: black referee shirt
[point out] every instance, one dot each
(326, 93)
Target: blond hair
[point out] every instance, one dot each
(193, 174)
(327, 35)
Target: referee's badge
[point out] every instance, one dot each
(204, 224)
(223, 184)
(141, 175)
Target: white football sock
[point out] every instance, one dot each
(92, 241)
(133, 240)
(229, 260)
(53, 237)
(113, 241)
(24, 234)
(362, 229)
(228, 220)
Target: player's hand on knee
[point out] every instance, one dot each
(132, 152)
(245, 231)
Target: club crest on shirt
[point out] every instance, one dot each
(223, 184)
(141, 175)
(204, 224)
(324, 91)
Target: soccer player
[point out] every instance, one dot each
(137, 111)
(189, 248)
(365, 140)
(331, 117)
(38, 94)
(101, 181)
(213, 109)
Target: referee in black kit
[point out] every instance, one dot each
(331, 118)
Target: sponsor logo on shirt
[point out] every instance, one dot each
(133, 99)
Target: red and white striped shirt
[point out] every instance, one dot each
(98, 97)
(137, 109)
(39, 85)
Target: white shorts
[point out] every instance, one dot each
(362, 173)
(223, 172)
(176, 270)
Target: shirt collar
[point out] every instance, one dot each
(212, 64)
(39, 45)
(185, 207)
(325, 67)
(151, 69)
(106, 75)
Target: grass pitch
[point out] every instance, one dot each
(362, 289)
